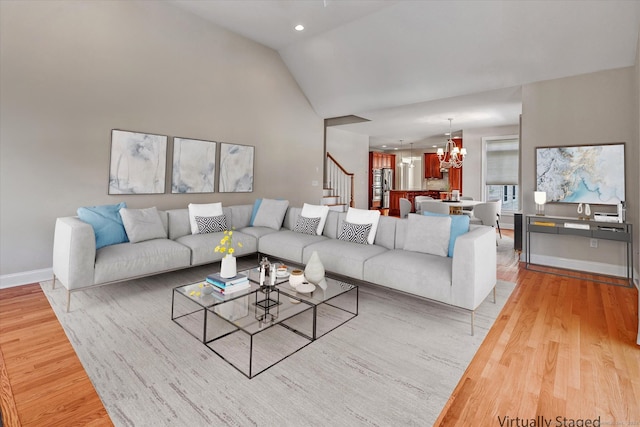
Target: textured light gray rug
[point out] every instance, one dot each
(396, 363)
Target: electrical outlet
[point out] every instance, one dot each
(593, 243)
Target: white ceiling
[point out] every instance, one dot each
(409, 65)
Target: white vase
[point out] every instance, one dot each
(228, 267)
(314, 271)
(295, 278)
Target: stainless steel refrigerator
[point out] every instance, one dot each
(387, 186)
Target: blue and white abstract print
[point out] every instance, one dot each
(138, 163)
(194, 164)
(236, 168)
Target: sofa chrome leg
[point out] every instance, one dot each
(53, 285)
(68, 299)
(473, 317)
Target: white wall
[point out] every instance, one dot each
(587, 109)
(71, 71)
(351, 150)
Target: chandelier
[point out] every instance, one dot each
(451, 156)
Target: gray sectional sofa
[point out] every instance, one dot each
(463, 280)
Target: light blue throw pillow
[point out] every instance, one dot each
(106, 222)
(459, 226)
(256, 206)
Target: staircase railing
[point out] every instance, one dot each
(341, 181)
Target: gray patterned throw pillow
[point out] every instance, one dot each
(356, 233)
(211, 224)
(306, 225)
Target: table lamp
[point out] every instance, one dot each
(540, 198)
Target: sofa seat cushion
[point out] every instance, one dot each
(129, 260)
(287, 244)
(418, 273)
(258, 232)
(202, 246)
(340, 257)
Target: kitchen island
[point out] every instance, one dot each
(396, 195)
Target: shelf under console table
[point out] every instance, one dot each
(614, 231)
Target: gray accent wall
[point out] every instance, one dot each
(586, 109)
(71, 71)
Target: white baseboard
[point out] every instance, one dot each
(579, 265)
(25, 278)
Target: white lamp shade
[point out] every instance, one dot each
(540, 197)
(463, 151)
(440, 152)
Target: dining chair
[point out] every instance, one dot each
(499, 201)
(466, 198)
(485, 214)
(434, 206)
(405, 207)
(417, 200)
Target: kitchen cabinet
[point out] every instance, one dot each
(432, 166)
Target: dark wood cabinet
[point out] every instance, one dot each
(432, 166)
(395, 196)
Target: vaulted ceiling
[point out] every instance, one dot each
(408, 66)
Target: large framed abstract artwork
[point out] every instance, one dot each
(194, 165)
(138, 163)
(236, 168)
(582, 173)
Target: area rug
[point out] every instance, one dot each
(396, 363)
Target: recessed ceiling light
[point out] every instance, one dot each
(384, 146)
(299, 27)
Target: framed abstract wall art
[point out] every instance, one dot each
(138, 163)
(194, 165)
(582, 173)
(236, 168)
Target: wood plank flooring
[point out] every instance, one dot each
(561, 347)
(42, 380)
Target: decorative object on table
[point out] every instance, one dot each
(306, 287)
(207, 288)
(265, 269)
(587, 211)
(228, 265)
(580, 210)
(194, 164)
(540, 198)
(138, 163)
(314, 271)
(228, 285)
(236, 168)
(281, 270)
(295, 278)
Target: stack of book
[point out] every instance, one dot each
(229, 285)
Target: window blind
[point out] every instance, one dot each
(502, 162)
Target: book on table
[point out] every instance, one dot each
(231, 289)
(223, 282)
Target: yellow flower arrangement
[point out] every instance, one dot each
(226, 243)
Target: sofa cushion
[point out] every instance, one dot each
(364, 216)
(128, 260)
(202, 246)
(271, 213)
(306, 225)
(342, 257)
(356, 233)
(287, 244)
(206, 209)
(106, 222)
(142, 224)
(459, 226)
(211, 224)
(314, 211)
(428, 234)
(429, 276)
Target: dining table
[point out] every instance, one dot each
(457, 207)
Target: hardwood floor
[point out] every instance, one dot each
(560, 348)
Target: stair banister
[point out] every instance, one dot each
(340, 180)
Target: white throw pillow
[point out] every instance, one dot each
(428, 234)
(316, 211)
(364, 216)
(206, 209)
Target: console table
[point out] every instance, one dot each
(621, 232)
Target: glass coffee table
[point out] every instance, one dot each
(256, 328)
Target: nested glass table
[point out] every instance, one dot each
(256, 328)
